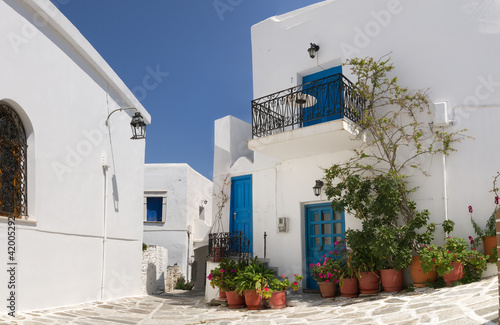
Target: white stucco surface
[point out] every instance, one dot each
(83, 234)
(448, 47)
(183, 231)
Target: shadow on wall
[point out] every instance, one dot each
(154, 266)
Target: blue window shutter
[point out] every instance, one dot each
(154, 208)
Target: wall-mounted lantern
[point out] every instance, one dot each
(317, 187)
(138, 125)
(312, 50)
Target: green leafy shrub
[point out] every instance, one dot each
(182, 284)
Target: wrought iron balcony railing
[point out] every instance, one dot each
(229, 244)
(318, 101)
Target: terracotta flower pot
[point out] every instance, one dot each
(278, 300)
(456, 274)
(235, 300)
(419, 277)
(392, 280)
(369, 282)
(254, 300)
(222, 295)
(218, 253)
(489, 243)
(327, 289)
(350, 288)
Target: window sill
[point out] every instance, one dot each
(19, 221)
(154, 221)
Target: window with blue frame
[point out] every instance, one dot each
(155, 209)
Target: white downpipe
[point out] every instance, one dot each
(105, 224)
(445, 188)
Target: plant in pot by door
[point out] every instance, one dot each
(224, 277)
(278, 289)
(326, 273)
(487, 235)
(254, 283)
(362, 242)
(348, 281)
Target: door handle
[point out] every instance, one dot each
(320, 248)
(234, 215)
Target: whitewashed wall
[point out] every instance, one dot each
(63, 91)
(183, 231)
(447, 46)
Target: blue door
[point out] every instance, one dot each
(241, 206)
(328, 95)
(323, 227)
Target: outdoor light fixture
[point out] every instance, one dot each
(138, 125)
(312, 50)
(317, 187)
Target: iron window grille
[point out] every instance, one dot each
(13, 175)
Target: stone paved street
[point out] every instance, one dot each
(475, 303)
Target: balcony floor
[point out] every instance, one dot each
(312, 140)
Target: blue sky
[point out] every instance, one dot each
(200, 52)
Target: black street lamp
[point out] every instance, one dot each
(317, 187)
(312, 50)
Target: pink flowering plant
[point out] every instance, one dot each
(329, 266)
(224, 275)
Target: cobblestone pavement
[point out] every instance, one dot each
(475, 303)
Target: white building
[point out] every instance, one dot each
(178, 216)
(448, 46)
(74, 183)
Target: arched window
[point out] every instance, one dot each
(13, 187)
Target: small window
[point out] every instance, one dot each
(155, 207)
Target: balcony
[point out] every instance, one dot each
(312, 118)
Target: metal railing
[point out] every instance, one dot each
(229, 244)
(314, 102)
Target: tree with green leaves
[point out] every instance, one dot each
(373, 184)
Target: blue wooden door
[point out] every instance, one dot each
(328, 95)
(323, 227)
(241, 206)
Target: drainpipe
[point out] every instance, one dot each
(445, 188)
(188, 266)
(105, 223)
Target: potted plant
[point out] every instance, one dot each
(348, 281)
(278, 288)
(488, 235)
(421, 278)
(362, 242)
(253, 283)
(326, 273)
(446, 259)
(223, 277)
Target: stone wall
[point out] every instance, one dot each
(154, 267)
(173, 273)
